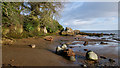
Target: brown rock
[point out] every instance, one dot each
(103, 57)
(111, 60)
(85, 43)
(85, 49)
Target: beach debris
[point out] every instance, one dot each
(103, 57)
(85, 49)
(58, 50)
(90, 55)
(64, 46)
(103, 43)
(85, 43)
(32, 45)
(111, 60)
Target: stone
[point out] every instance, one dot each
(103, 43)
(72, 58)
(103, 57)
(90, 55)
(85, 49)
(12, 60)
(32, 45)
(68, 32)
(49, 38)
(83, 65)
(71, 47)
(111, 60)
(68, 29)
(76, 32)
(64, 46)
(85, 43)
(58, 50)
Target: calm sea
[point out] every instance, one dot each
(116, 32)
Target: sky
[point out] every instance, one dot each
(90, 15)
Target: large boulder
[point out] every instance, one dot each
(90, 55)
(76, 31)
(67, 33)
(68, 29)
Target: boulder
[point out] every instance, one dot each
(90, 55)
(59, 50)
(111, 60)
(64, 46)
(68, 29)
(72, 58)
(49, 38)
(76, 31)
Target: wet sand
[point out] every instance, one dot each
(20, 54)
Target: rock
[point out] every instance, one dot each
(71, 47)
(43, 28)
(85, 49)
(76, 31)
(68, 53)
(59, 50)
(12, 60)
(111, 60)
(72, 58)
(64, 46)
(85, 43)
(32, 45)
(68, 29)
(68, 32)
(90, 55)
(103, 43)
(85, 66)
(103, 57)
(6, 41)
(49, 38)
(68, 43)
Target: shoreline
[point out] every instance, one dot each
(43, 54)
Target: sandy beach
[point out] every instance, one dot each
(20, 54)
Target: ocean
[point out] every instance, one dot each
(115, 37)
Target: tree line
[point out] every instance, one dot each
(28, 19)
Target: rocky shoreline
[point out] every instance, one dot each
(23, 55)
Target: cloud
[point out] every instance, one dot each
(80, 14)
